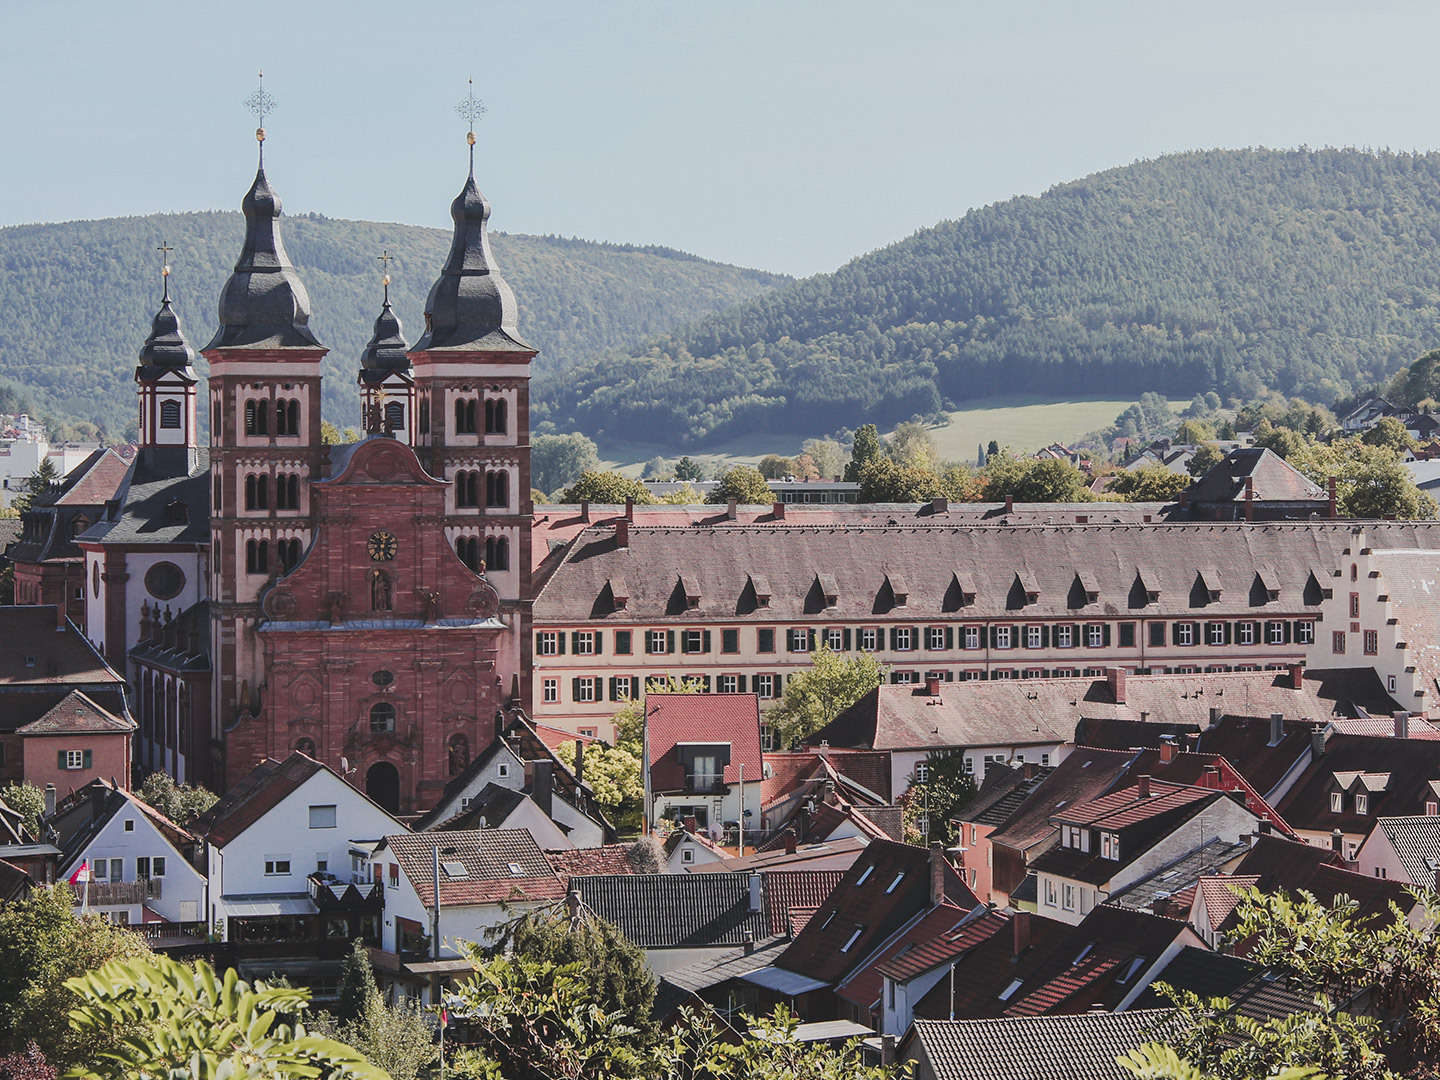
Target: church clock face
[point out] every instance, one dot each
(381, 546)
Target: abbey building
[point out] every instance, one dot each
(361, 603)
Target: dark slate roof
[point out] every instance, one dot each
(35, 653)
(263, 305)
(1416, 841)
(1273, 479)
(470, 306)
(1245, 742)
(941, 563)
(722, 967)
(165, 500)
(49, 527)
(1084, 775)
(1162, 884)
(489, 808)
(1281, 865)
(257, 793)
(937, 930)
(501, 865)
(990, 968)
(1407, 766)
(166, 349)
(1080, 1047)
(1208, 974)
(659, 911)
(183, 644)
(385, 351)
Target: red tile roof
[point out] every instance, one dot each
(500, 865)
(34, 652)
(1129, 807)
(789, 891)
(99, 478)
(863, 986)
(672, 719)
(77, 714)
(1220, 895)
(606, 859)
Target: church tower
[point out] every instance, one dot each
(166, 379)
(264, 399)
(387, 384)
(472, 430)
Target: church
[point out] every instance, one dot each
(364, 603)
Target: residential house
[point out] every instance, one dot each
(142, 865)
(44, 659)
(635, 857)
(685, 847)
(1256, 484)
(980, 593)
(718, 981)
(1108, 843)
(1081, 1047)
(703, 759)
(1002, 793)
(1369, 413)
(1403, 849)
(496, 807)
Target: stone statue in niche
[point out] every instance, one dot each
(335, 605)
(380, 596)
(429, 603)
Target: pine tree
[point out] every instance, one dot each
(865, 449)
(357, 983)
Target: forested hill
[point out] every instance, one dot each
(1308, 272)
(78, 298)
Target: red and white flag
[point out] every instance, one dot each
(82, 873)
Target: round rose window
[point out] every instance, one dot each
(164, 580)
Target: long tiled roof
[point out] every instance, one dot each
(834, 854)
(1080, 1047)
(1411, 765)
(1084, 775)
(499, 866)
(1412, 581)
(960, 572)
(585, 862)
(1416, 841)
(791, 890)
(657, 911)
(1272, 478)
(863, 986)
(930, 942)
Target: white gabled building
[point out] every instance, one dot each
(269, 834)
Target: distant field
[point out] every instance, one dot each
(1024, 422)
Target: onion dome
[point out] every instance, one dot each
(471, 306)
(264, 304)
(165, 349)
(386, 351)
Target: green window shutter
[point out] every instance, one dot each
(894, 638)
(60, 759)
(669, 641)
(1045, 636)
(575, 642)
(845, 639)
(560, 639)
(614, 688)
(599, 642)
(1105, 634)
(740, 684)
(706, 646)
(87, 759)
(575, 689)
(1229, 633)
(949, 637)
(634, 686)
(994, 637)
(1288, 635)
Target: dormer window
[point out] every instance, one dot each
(898, 589)
(1110, 845)
(1337, 802)
(1362, 804)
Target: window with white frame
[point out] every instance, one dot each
(1215, 633)
(729, 684)
(550, 691)
(1362, 803)
(656, 641)
(1068, 894)
(74, 759)
(1094, 635)
(904, 678)
(1305, 633)
(1337, 802)
(1109, 845)
(904, 638)
(1050, 900)
(765, 686)
(1003, 637)
(797, 640)
(922, 772)
(834, 638)
(972, 637)
(934, 638)
(322, 817)
(1065, 637)
(1033, 637)
(587, 690)
(585, 642)
(1275, 633)
(1249, 633)
(769, 739)
(869, 639)
(277, 865)
(693, 641)
(1184, 633)
(549, 642)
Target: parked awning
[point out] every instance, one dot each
(256, 907)
(784, 982)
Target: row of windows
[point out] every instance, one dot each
(257, 555)
(467, 488)
(934, 638)
(467, 412)
(1370, 642)
(257, 491)
(591, 688)
(496, 552)
(146, 867)
(257, 417)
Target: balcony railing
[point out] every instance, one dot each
(330, 891)
(699, 783)
(116, 893)
(161, 935)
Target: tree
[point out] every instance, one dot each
(775, 467)
(820, 693)
(910, 444)
(962, 483)
(865, 449)
(928, 805)
(28, 801)
(1391, 434)
(1192, 432)
(45, 476)
(1150, 483)
(886, 480)
(828, 455)
(607, 487)
(398, 1038)
(1206, 457)
(43, 943)
(686, 469)
(1031, 480)
(330, 435)
(181, 803)
(744, 484)
(658, 468)
(683, 496)
(182, 1020)
(1279, 440)
(613, 774)
(556, 460)
(1370, 481)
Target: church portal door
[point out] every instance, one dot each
(382, 784)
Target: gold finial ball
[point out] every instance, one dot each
(470, 137)
(259, 134)
(165, 271)
(386, 280)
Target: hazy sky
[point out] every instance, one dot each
(785, 135)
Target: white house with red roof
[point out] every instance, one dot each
(701, 750)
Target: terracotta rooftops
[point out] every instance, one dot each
(672, 720)
(35, 649)
(77, 714)
(485, 866)
(1271, 477)
(1133, 805)
(1082, 1047)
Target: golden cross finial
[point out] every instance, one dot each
(262, 105)
(385, 259)
(165, 250)
(471, 110)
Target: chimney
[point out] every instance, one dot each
(939, 505)
(777, 511)
(543, 786)
(1337, 841)
(730, 509)
(1249, 498)
(622, 533)
(1185, 499)
(629, 508)
(1297, 676)
(1317, 742)
(749, 944)
(579, 761)
(932, 686)
(60, 621)
(789, 840)
(757, 893)
(937, 873)
(1167, 749)
(1143, 781)
(1402, 724)
(584, 509)
(1116, 678)
(1020, 933)
(49, 801)
(1211, 777)
(1330, 508)
(887, 1049)
(1009, 504)
(1263, 826)
(1214, 715)
(1277, 728)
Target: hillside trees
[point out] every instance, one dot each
(1150, 483)
(181, 803)
(558, 460)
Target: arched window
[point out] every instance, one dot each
(458, 754)
(182, 696)
(467, 488)
(215, 422)
(465, 416)
(306, 747)
(382, 717)
(293, 411)
(217, 488)
(395, 416)
(497, 553)
(257, 492)
(257, 418)
(287, 491)
(169, 414)
(289, 554)
(468, 548)
(425, 417)
(496, 416)
(497, 489)
(257, 556)
(287, 416)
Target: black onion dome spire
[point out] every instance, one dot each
(471, 306)
(386, 350)
(264, 304)
(165, 349)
